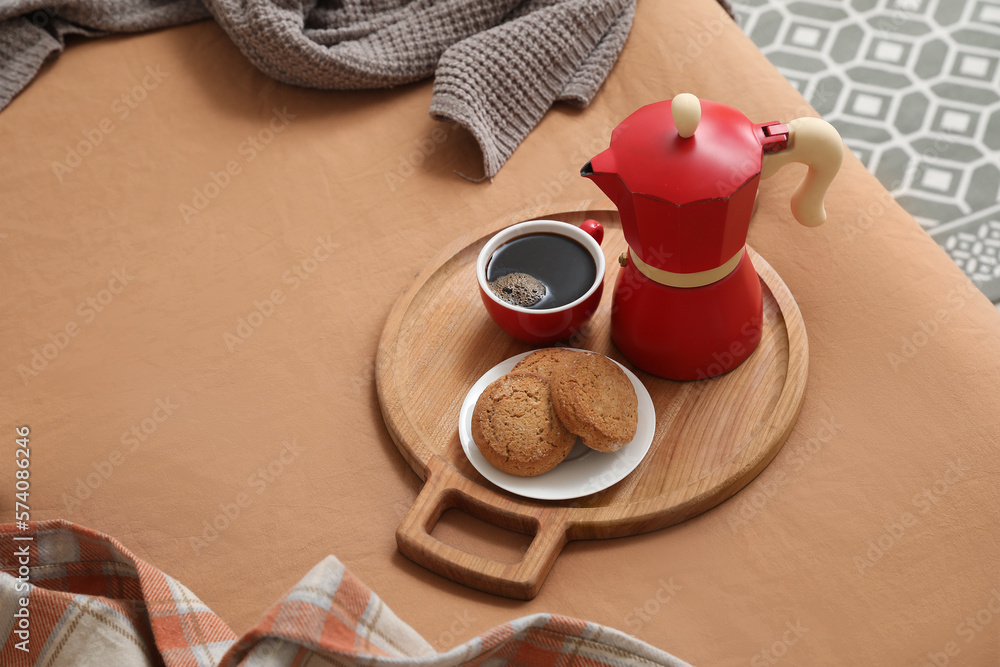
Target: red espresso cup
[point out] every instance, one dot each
(541, 326)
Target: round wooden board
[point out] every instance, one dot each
(712, 436)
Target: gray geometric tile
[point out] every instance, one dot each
(893, 169)
(930, 63)
(806, 36)
(912, 110)
(984, 187)
(913, 86)
(767, 25)
(974, 244)
(949, 13)
(862, 152)
(986, 13)
(977, 251)
(799, 82)
(868, 104)
(846, 44)
(937, 179)
(961, 92)
(954, 120)
(928, 209)
(991, 137)
(942, 146)
(824, 12)
(826, 93)
(975, 66)
(898, 23)
(797, 61)
(910, 6)
(874, 133)
(879, 76)
(888, 51)
(978, 38)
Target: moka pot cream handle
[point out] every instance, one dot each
(815, 143)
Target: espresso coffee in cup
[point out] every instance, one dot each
(540, 271)
(541, 280)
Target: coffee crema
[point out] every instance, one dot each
(541, 271)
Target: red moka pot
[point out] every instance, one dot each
(684, 174)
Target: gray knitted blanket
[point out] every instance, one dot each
(498, 65)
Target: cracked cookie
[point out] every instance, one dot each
(516, 428)
(594, 399)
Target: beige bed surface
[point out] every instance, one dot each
(180, 349)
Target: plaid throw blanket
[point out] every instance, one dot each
(71, 596)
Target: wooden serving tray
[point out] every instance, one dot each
(712, 436)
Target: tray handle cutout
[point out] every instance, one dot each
(444, 489)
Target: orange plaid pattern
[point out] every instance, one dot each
(89, 599)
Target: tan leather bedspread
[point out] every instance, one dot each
(871, 539)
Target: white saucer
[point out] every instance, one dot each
(584, 471)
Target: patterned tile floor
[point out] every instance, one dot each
(913, 86)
